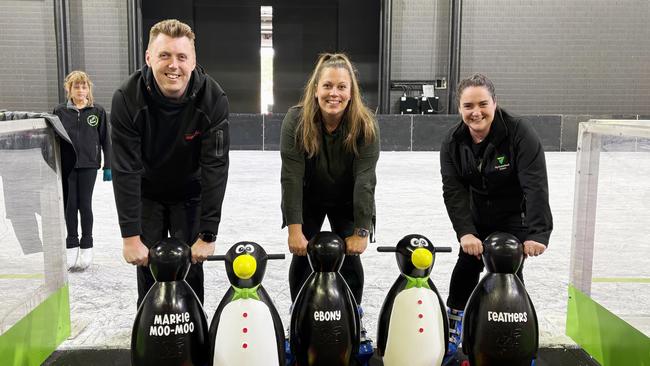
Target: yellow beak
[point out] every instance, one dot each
(245, 266)
(421, 258)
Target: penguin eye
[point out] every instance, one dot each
(250, 248)
(423, 242)
(415, 242)
(240, 249)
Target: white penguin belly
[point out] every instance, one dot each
(246, 335)
(416, 331)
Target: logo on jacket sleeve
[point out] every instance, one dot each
(92, 120)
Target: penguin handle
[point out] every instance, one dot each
(386, 249)
(275, 256)
(443, 249)
(219, 257)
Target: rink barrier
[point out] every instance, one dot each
(605, 336)
(33, 338)
(410, 132)
(32, 328)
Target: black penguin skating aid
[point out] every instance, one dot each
(325, 324)
(170, 327)
(500, 323)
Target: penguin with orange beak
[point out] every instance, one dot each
(246, 328)
(413, 327)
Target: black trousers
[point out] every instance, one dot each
(78, 198)
(162, 220)
(468, 268)
(341, 221)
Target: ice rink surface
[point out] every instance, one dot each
(408, 200)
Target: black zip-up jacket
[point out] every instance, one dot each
(169, 151)
(506, 186)
(88, 130)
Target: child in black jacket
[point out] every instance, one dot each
(86, 124)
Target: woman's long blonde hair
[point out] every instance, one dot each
(78, 77)
(360, 121)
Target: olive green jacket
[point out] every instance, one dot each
(333, 177)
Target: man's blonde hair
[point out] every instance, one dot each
(81, 78)
(172, 28)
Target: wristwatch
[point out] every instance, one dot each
(208, 237)
(362, 232)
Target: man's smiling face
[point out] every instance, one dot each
(172, 61)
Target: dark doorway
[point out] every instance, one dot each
(228, 43)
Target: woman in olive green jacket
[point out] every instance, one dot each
(329, 146)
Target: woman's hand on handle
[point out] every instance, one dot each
(297, 241)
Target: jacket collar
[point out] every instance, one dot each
(72, 106)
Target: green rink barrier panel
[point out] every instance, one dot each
(607, 338)
(32, 339)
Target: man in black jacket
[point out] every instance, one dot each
(170, 153)
(494, 179)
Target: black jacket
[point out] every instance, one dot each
(169, 152)
(88, 131)
(506, 186)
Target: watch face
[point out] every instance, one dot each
(208, 237)
(362, 233)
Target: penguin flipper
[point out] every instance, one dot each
(356, 340)
(384, 314)
(277, 323)
(472, 304)
(443, 309)
(299, 314)
(534, 313)
(214, 325)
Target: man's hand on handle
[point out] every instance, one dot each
(134, 251)
(201, 250)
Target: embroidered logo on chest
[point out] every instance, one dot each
(92, 120)
(502, 163)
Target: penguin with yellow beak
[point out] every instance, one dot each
(413, 328)
(246, 328)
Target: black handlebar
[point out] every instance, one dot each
(392, 249)
(386, 249)
(221, 257)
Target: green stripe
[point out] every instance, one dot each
(33, 338)
(606, 337)
(15, 276)
(622, 279)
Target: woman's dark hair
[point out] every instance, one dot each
(475, 80)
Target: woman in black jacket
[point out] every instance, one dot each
(86, 124)
(494, 179)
